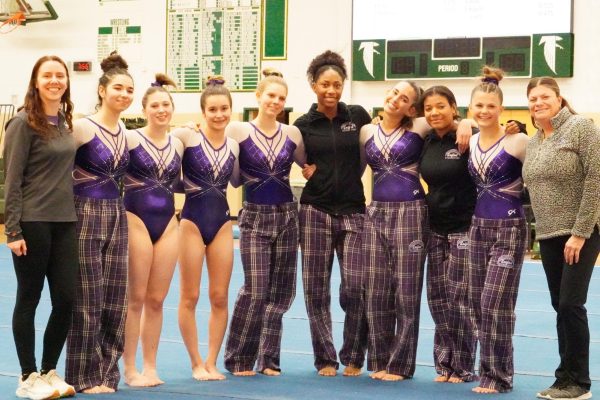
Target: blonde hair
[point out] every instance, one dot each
(490, 82)
(270, 75)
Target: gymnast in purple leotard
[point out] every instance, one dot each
(150, 182)
(394, 234)
(209, 162)
(206, 173)
(95, 341)
(498, 234)
(269, 232)
(153, 171)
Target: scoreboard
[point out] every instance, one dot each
(548, 54)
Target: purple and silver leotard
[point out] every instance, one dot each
(497, 175)
(265, 166)
(206, 173)
(150, 180)
(98, 170)
(395, 167)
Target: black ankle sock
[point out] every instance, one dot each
(25, 375)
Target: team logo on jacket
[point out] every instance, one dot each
(348, 127)
(416, 246)
(463, 243)
(452, 154)
(506, 261)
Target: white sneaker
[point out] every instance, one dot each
(36, 388)
(58, 383)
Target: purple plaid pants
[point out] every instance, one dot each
(495, 258)
(394, 243)
(95, 341)
(454, 341)
(321, 235)
(269, 250)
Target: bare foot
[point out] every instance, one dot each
(136, 379)
(328, 371)
(92, 390)
(455, 379)
(392, 378)
(245, 373)
(270, 372)
(441, 378)
(106, 389)
(351, 370)
(483, 390)
(214, 374)
(200, 373)
(378, 374)
(152, 377)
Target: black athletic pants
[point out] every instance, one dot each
(52, 253)
(568, 286)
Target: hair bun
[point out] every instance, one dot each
(492, 75)
(215, 80)
(113, 61)
(271, 72)
(161, 80)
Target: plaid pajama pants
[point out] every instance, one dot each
(321, 235)
(95, 341)
(455, 340)
(495, 257)
(269, 250)
(395, 236)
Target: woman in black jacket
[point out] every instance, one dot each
(331, 215)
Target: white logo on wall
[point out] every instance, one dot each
(550, 46)
(369, 50)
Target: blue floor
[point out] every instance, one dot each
(535, 351)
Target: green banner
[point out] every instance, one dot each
(368, 60)
(274, 29)
(552, 54)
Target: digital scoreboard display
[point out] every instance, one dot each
(460, 37)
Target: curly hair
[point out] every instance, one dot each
(323, 62)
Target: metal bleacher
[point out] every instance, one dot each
(6, 112)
